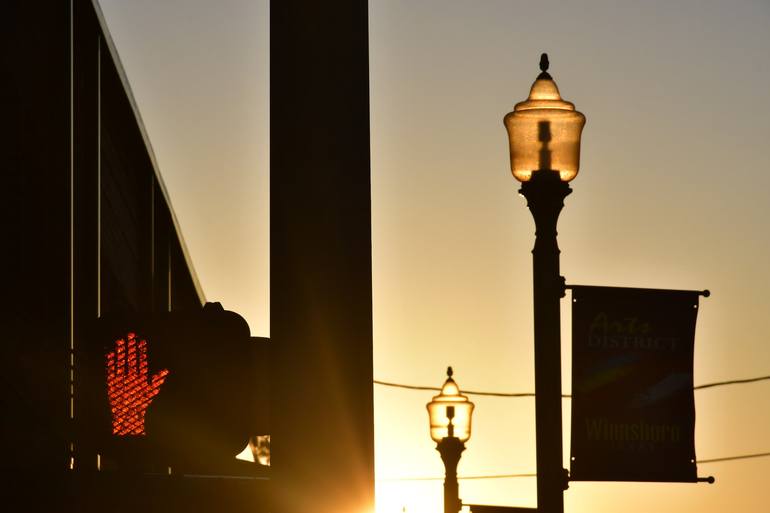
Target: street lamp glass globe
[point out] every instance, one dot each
(544, 131)
(450, 411)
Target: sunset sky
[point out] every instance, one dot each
(673, 192)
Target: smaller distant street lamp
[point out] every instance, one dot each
(450, 427)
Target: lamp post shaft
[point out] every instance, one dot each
(545, 194)
(451, 449)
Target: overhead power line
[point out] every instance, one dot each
(532, 394)
(469, 392)
(732, 458)
(508, 476)
(731, 382)
(494, 476)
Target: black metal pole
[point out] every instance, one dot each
(451, 449)
(545, 194)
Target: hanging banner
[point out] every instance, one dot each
(633, 410)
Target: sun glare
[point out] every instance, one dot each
(409, 497)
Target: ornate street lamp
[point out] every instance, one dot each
(450, 427)
(544, 131)
(544, 134)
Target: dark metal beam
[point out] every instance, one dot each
(320, 257)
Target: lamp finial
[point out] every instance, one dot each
(544, 75)
(449, 371)
(544, 62)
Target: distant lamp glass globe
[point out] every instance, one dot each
(450, 412)
(544, 131)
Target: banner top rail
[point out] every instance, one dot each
(704, 292)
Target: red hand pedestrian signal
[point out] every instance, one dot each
(128, 387)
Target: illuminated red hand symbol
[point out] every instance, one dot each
(128, 387)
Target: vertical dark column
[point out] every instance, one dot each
(36, 242)
(545, 195)
(85, 217)
(320, 256)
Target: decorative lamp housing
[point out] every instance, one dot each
(450, 412)
(544, 131)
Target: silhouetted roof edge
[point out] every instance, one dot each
(148, 145)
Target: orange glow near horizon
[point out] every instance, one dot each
(128, 388)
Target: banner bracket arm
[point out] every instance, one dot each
(709, 480)
(570, 286)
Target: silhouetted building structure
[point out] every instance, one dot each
(88, 232)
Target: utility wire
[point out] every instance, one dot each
(732, 458)
(731, 382)
(507, 476)
(495, 476)
(469, 392)
(532, 394)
